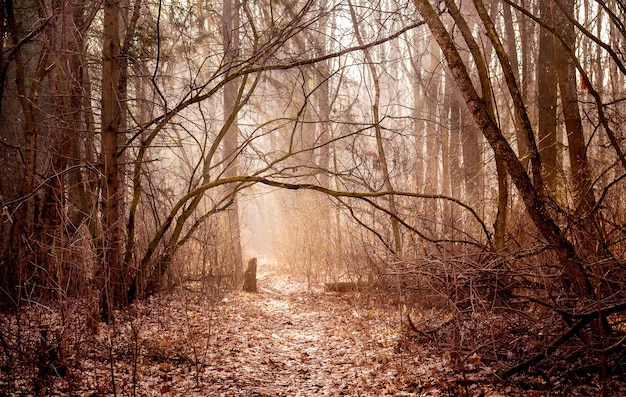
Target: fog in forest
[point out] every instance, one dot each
(237, 179)
(266, 229)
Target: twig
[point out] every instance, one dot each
(585, 318)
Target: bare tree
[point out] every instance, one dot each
(531, 195)
(376, 122)
(230, 35)
(111, 119)
(547, 100)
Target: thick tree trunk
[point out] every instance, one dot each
(456, 170)
(22, 219)
(111, 113)
(585, 229)
(547, 99)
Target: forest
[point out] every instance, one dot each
(429, 194)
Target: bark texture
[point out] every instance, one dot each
(111, 255)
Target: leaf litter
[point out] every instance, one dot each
(287, 340)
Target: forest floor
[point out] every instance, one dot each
(287, 340)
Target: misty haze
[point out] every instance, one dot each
(303, 198)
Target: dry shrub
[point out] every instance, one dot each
(495, 312)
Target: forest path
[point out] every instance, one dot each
(289, 342)
(285, 340)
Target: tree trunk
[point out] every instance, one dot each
(585, 229)
(416, 117)
(325, 135)
(111, 113)
(433, 144)
(456, 170)
(577, 149)
(547, 99)
(511, 45)
(230, 35)
(472, 148)
(23, 217)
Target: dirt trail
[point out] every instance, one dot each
(283, 341)
(293, 343)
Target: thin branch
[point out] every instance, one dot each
(585, 319)
(23, 199)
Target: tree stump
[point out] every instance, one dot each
(249, 277)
